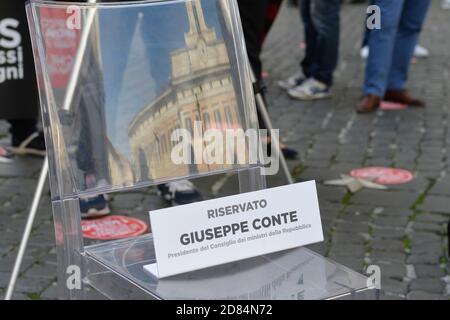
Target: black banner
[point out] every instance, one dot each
(18, 92)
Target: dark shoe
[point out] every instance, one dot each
(179, 192)
(94, 207)
(403, 97)
(34, 144)
(288, 153)
(368, 104)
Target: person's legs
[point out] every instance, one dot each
(411, 22)
(381, 47)
(326, 19)
(253, 14)
(21, 129)
(26, 139)
(272, 10)
(321, 19)
(308, 62)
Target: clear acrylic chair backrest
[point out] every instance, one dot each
(116, 80)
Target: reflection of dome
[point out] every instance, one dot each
(200, 89)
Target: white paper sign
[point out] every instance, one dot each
(218, 231)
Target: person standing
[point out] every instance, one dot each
(390, 51)
(254, 24)
(321, 19)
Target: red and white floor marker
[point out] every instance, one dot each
(113, 227)
(382, 175)
(386, 105)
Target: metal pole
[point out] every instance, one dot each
(27, 232)
(79, 57)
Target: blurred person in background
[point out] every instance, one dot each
(445, 4)
(390, 51)
(257, 17)
(419, 51)
(321, 19)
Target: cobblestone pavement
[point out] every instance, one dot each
(401, 230)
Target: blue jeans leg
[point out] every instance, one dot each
(322, 22)
(381, 47)
(309, 63)
(411, 22)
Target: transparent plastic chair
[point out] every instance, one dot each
(115, 81)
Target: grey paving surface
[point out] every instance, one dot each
(401, 230)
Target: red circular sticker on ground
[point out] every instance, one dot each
(113, 227)
(385, 105)
(383, 175)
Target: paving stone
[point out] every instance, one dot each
(47, 271)
(320, 248)
(425, 237)
(424, 258)
(430, 247)
(429, 271)
(347, 250)
(352, 227)
(32, 285)
(384, 198)
(349, 237)
(21, 167)
(393, 271)
(436, 228)
(388, 233)
(432, 217)
(442, 187)
(355, 264)
(393, 212)
(422, 295)
(333, 194)
(394, 286)
(388, 245)
(50, 293)
(391, 296)
(7, 263)
(378, 256)
(4, 279)
(436, 204)
(431, 285)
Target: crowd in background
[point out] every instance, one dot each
(388, 50)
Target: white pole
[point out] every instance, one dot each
(274, 141)
(27, 232)
(79, 57)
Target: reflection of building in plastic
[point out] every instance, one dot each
(201, 89)
(120, 169)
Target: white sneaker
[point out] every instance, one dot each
(364, 52)
(421, 52)
(445, 4)
(310, 89)
(292, 81)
